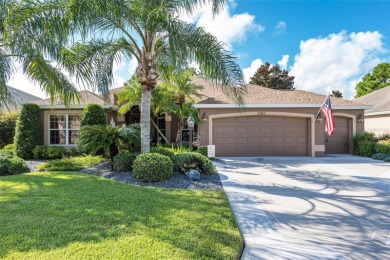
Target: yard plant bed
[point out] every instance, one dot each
(52, 215)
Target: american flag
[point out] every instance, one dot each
(327, 113)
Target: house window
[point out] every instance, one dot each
(64, 129)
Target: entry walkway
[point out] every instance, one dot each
(336, 207)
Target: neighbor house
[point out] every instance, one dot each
(377, 119)
(18, 99)
(269, 122)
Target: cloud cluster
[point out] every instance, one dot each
(250, 71)
(336, 62)
(280, 28)
(227, 27)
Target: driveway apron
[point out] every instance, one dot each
(335, 207)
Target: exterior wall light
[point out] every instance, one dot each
(319, 118)
(361, 118)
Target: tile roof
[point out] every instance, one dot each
(380, 99)
(20, 97)
(87, 97)
(261, 95)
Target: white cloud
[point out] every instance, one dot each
(123, 71)
(337, 61)
(250, 71)
(284, 61)
(280, 28)
(227, 27)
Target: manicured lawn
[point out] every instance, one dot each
(53, 215)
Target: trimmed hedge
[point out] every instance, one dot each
(28, 131)
(186, 161)
(363, 144)
(383, 147)
(7, 152)
(123, 162)
(49, 152)
(202, 150)
(152, 167)
(380, 156)
(93, 115)
(10, 165)
(9, 147)
(71, 164)
(162, 150)
(7, 127)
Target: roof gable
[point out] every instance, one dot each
(379, 99)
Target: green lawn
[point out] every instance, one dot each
(54, 215)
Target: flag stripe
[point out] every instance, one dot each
(327, 113)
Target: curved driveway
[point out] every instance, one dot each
(335, 207)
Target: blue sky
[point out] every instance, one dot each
(326, 45)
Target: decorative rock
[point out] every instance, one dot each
(193, 175)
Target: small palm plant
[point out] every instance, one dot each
(108, 138)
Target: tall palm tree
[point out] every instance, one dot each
(148, 30)
(34, 50)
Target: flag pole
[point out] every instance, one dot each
(319, 110)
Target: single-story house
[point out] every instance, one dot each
(269, 122)
(377, 119)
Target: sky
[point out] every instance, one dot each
(326, 45)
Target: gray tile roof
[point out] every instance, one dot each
(20, 97)
(379, 99)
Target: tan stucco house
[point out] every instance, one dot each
(377, 119)
(268, 123)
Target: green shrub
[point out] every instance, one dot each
(93, 115)
(10, 165)
(9, 147)
(55, 152)
(202, 150)
(365, 139)
(40, 152)
(28, 131)
(152, 167)
(162, 150)
(383, 147)
(387, 159)
(7, 152)
(74, 151)
(380, 156)
(71, 164)
(123, 162)
(185, 161)
(7, 127)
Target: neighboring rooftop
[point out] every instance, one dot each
(380, 99)
(87, 97)
(20, 97)
(261, 95)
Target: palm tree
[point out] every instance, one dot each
(149, 31)
(33, 50)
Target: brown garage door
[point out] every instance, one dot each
(254, 136)
(339, 142)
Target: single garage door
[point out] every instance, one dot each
(260, 136)
(338, 143)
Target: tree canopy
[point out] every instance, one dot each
(272, 76)
(377, 79)
(337, 93)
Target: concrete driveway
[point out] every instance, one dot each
(336, 207)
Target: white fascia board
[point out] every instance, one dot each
(275, 106)
(377, 113)
(80, 106)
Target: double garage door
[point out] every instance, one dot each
(261, 136)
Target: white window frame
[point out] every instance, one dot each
(66, 129)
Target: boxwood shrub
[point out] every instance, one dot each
(185, 161)
(40, 152)
(202, 150)
(152, 167)
(162, 150)
(383, 147)
(123, 162)
(93, 115)
(71, 164)
(380, 156)
(28, 131)
(9, 147)
(7, 152)
(10, 165)
(7, 127)
(55, 152)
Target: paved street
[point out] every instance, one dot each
(336, 207)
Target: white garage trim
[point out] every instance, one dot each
(353, 121)
(281, 114)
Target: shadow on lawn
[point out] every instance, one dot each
(51, 210)
(346, 216)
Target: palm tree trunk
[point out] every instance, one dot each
(145, 119)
